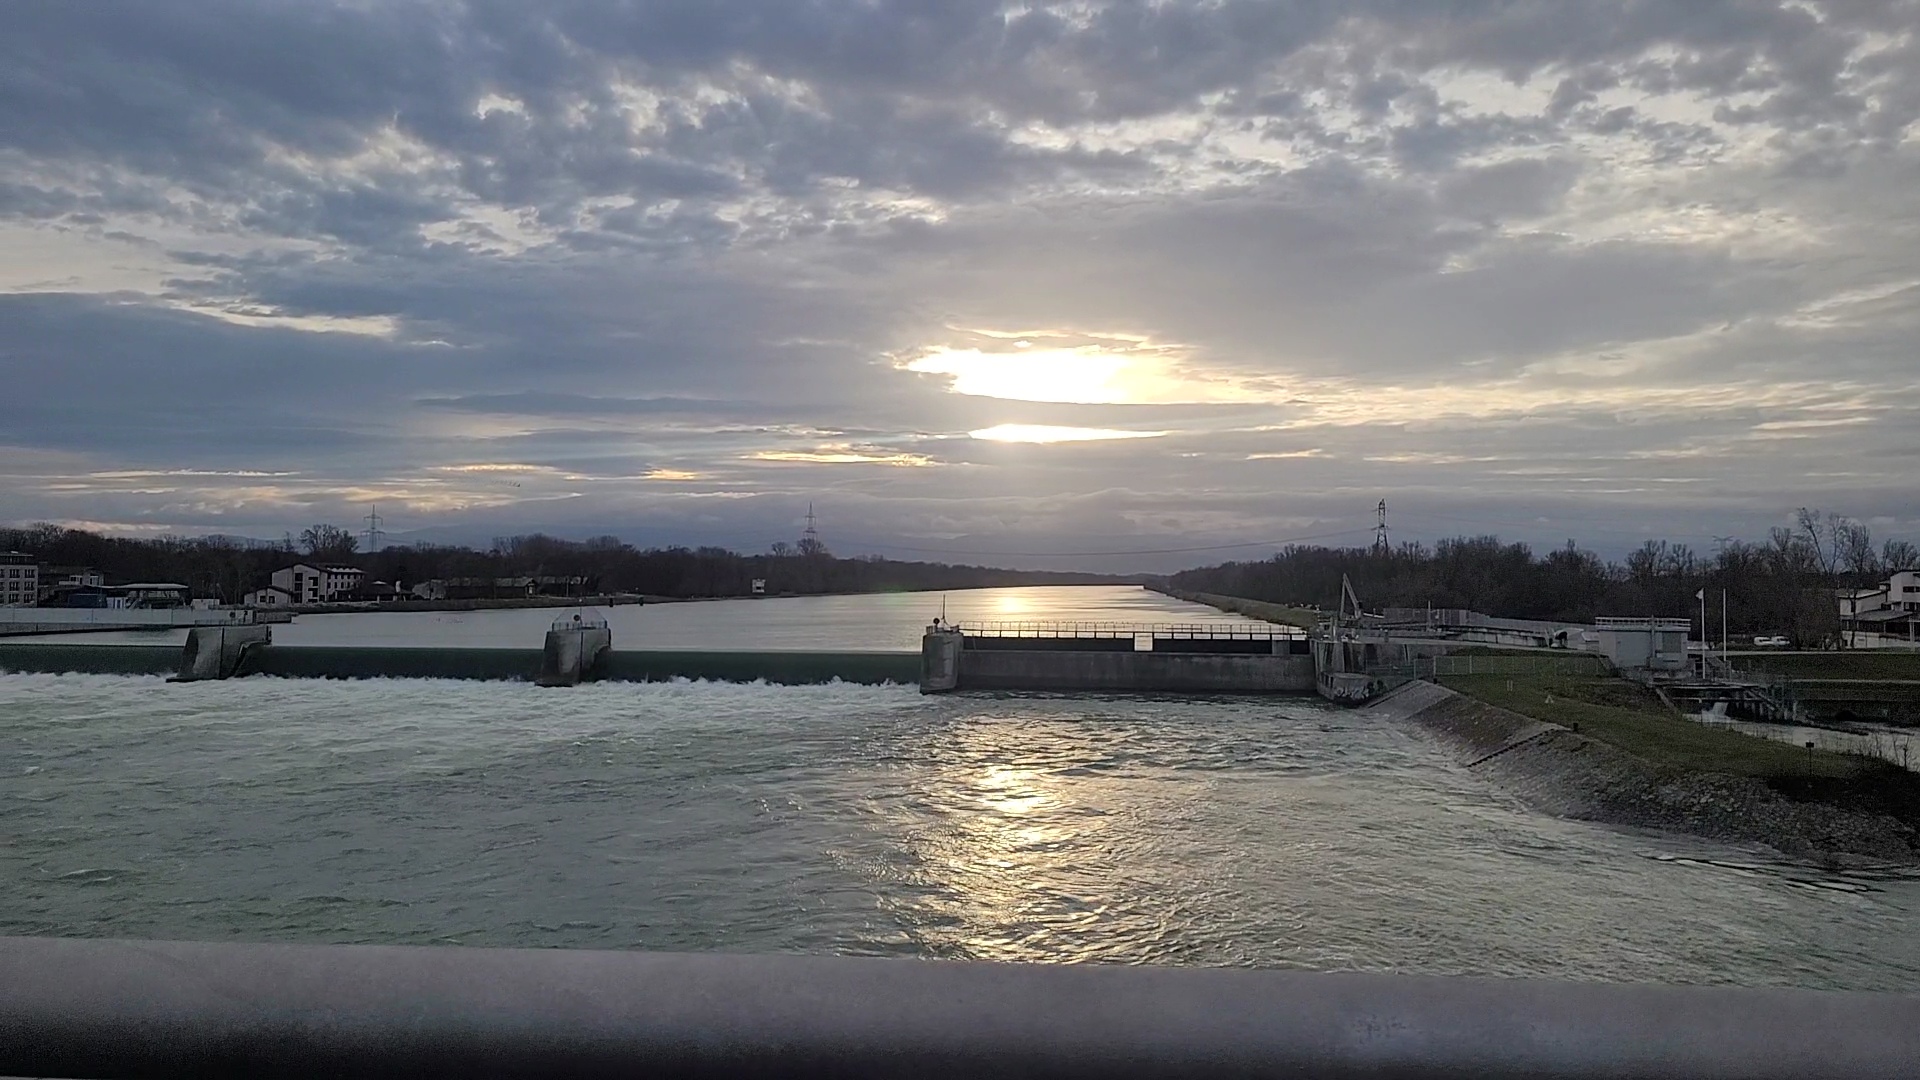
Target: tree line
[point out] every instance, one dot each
(227, 569)
(1783, 585)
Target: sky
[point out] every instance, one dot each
(977, 282)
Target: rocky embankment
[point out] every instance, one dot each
(1561, 772)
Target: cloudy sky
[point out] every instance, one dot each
(970, 278)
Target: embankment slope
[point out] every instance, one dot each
(1561, 772)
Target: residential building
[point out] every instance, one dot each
(1903, 591)
(1857, 602)
(271, 596)
(309, 584)
(19, 580)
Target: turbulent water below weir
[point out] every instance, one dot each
(866, 820)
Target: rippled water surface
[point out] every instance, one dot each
(864, 820)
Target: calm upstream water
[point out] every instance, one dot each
(873, 622)
(869, 820)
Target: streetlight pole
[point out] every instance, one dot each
(1703, 633)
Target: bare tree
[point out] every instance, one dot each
(328, 542)
(1898, 555)
(1855, 547)
(1817, 529)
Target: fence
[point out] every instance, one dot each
(1576, 665)
(122, 1008)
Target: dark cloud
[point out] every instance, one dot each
(669, 258)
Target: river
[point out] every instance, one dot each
(877, 621)
(869, 820)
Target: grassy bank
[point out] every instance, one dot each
(1632, 719)
(1305, 618)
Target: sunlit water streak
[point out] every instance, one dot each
(864, 820)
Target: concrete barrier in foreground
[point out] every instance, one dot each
(77, 1008)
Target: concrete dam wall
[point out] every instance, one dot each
(344, 662)
(1121, 672)
(1112, 661)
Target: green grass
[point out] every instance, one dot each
(1633, 719)
(1877, 664)
(1305, 618)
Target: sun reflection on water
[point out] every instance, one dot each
(1015, 864)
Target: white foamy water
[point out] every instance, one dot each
(865, 820)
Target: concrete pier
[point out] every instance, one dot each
(574, 648)
(216, 652)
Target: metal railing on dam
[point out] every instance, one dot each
(1177, 631)
(101, 1008)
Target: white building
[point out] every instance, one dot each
(271, 596)
(1858, 602)
(19, 580)
(317, 585)
(1903, 590)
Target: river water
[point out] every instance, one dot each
(879, 621)
(871, 820)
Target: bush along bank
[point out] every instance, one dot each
(1836, 809)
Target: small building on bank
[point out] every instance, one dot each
(1649, 644)
(476, 588)
(309, 584)
(273, 596)
(151, 594)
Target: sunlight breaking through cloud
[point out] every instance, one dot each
(1049, 433)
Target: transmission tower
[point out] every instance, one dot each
(374, 533)
(1381, 545)
(810, 536)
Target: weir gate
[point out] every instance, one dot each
(1116, 657)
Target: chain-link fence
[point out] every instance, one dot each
(1514, 665)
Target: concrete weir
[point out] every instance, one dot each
(1205, 658)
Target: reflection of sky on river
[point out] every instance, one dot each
(867, 622)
